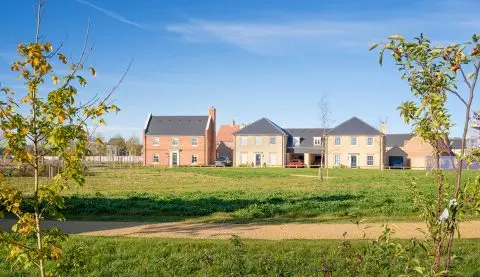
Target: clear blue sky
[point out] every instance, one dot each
(249, 59)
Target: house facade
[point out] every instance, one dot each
(355, 144)
(262, 143)
(180, 140)
(225, 140)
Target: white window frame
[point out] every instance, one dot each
(354, 139)
(271, 155)
(315, 141)
(339, 139)
(196, 159)
(296, 139)
(373, 160)
(156, 141)
(258, 140)
(196, 141)
(242, 156)
(158, 158)
(243, 140)
(273, 140)
(335, 162)
(368, 141)
(175, 139)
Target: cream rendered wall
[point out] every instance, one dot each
(265, 148)
(377, 150)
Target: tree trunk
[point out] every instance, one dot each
(38, 229)
(438, 236)
(320, 170)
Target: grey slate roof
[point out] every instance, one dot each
(306, 136)
(177, 125)
(456, 143)
(397, 139)
(354, 126)
(263, 126)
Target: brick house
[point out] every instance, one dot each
(225, 140)
(180, 140)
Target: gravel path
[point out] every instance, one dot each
(404, 230)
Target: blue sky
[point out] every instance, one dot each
(249, 59)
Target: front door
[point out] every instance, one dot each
(353, 161)
(258, 159)
(174, 161)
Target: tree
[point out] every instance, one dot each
(324, 117)
(432, 72)
(133, 146)
(35, 121)
(117, 145)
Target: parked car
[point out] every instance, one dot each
(223, 161)
(296, 163)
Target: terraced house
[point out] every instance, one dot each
(180, 140)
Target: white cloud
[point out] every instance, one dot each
(114, 15)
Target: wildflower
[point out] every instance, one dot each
(444, 216)
(452, 203)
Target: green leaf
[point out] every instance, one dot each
(92, 70)
(373, 46)
(380, 61)
(396, 37)
(470, 75)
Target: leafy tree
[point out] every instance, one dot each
(432, 72)
(133, 146)
(35, 122)
(117, 145)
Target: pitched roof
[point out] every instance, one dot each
(177, 125)
(306, 135)
(456, 143)
(263, 126)
(225, 133)
(354, 126)
(397, 139)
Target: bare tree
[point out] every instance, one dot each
(133, 146)
(324, 116)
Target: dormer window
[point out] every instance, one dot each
(296, 141)
(317, 141)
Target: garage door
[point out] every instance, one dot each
(395, 161)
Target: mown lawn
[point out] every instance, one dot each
(244, 195)
(179, 257)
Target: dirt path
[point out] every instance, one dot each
(252, 231)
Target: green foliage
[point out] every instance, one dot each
(35, 124)
(431, 72)
(108, 256)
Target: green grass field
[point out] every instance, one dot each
(243, 195)
(178, 257)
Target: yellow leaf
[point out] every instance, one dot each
(55, 80)
(92, 70)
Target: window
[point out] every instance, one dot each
(156, 158)
(243, 158)
(273, 140)
(338, 140)
(156, 141)
(175, 141)
(273, 158)
(317, 141)
(194, 159)
(353, 140)
(258, 140)
(296, 141)
(370, 141)
(194, 141)
(243, 140)
(336, 159)
(369, 160)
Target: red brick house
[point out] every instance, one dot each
(225, 140)
(180, 140)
